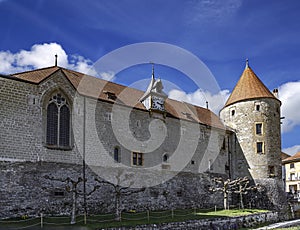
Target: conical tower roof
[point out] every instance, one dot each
(249, 87)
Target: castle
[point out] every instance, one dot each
(55, 122)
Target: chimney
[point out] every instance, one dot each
(55, 64)
(275, 92)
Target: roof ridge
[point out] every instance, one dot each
(33, 70)
(111, 82)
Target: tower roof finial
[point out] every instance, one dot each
(55, 60)
(152, 63)
(247, 63)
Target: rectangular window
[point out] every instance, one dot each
(257, 106)
(108, 116)
(292, 165)
(137, 159)
(259, 147)
(183, 130)
(117, 154)
(258, 128)
(224, 144)
(271, 170)
(292, 176)
(59, 193)
(210, 165)
(202, 134)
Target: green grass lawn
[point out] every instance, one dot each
(131, 219)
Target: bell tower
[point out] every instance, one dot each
(254, 114)
(154, 98)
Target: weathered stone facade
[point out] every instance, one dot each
(178, 154)
(244, 123)
(26, 190)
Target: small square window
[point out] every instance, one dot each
(192, 162)
(108, 116)
(58, 193)
(232, 112)
(165, 157)
(271, 170)
(138, 124)
(257, 107)
(292, 176)
(137, 159)
(292, 165)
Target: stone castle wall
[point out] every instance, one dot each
(25, 190)
(190, 146)
(22, 121)
(197, 151)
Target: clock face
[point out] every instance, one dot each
(157, 103)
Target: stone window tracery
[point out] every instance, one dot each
(58, 122)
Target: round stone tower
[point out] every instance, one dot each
(253, 112)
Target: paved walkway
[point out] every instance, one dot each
(290, 223)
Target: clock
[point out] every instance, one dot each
(158, 103)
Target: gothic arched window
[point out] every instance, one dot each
(58, 122)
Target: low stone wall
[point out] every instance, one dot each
(248, 221)
(24, 190)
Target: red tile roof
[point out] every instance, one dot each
(293, 158)
(284, 156)
(249, 86)
(97, 88)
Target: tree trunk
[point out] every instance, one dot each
(118, 206)
(225, 200)
(73, 218)
(241, 200)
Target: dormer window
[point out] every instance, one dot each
(110, 95)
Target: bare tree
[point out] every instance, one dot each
(225, 186)
(242, 188)
(72, 187)
(120, 191)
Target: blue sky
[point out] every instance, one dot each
(220, 33)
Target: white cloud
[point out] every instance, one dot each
(292, 150)
(215, 102)
(108, 76)
(289, 96)
(43, 55)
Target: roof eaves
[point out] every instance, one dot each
(11, 77)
